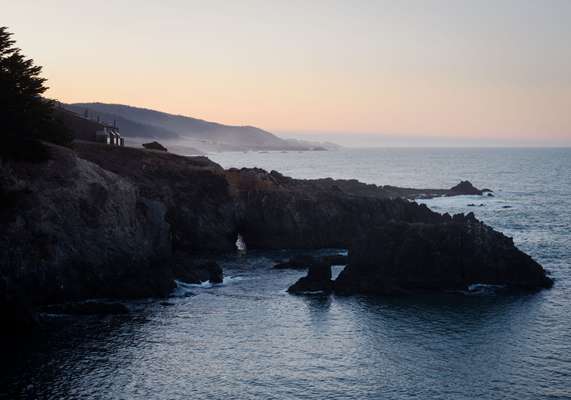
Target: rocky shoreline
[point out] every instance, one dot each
(109, 222)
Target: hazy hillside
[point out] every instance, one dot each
(129, 127)
(141, 122)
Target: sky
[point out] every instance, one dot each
(454, 71)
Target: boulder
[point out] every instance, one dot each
(401, 257)
(189, 270)
(215, 273)
(318, 279)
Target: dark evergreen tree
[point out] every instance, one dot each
(26, 117)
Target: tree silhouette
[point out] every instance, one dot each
(27, 118)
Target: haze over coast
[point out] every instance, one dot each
(440, 72)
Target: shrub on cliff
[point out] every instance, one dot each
(27, 117)
(154, 146)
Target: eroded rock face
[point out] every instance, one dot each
(402, 257)
(71, 230)
(199, 206)
(318, 279)
(278, 212)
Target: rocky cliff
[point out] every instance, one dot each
(104, 221)
(194, 191)
(453, 254)
(72, 230)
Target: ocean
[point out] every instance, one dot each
(248, 339)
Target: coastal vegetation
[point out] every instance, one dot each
(27, 117)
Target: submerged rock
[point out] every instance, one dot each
(318, 279)
(402, 257)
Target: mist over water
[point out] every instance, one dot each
(248, 339)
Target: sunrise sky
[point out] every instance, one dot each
(470, 71)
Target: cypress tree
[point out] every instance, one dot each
(27, 117)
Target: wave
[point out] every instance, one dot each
(184, 289)
(483, 289)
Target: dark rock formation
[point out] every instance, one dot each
(188, 270)
(16, 319)
(402, 257)
(318, 279)
(335, 259)
(87, 308)
(465, 188)
(154, 146)
(278, 212)
(71, 230)
(104, 221)
(200, 209)
(215, 273)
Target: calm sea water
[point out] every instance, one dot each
(249, 339)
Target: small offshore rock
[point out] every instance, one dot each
(318, 279)
(215, 273)
(464, 188)
(187, 270)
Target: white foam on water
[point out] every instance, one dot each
(483, 289)
(184, 289)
